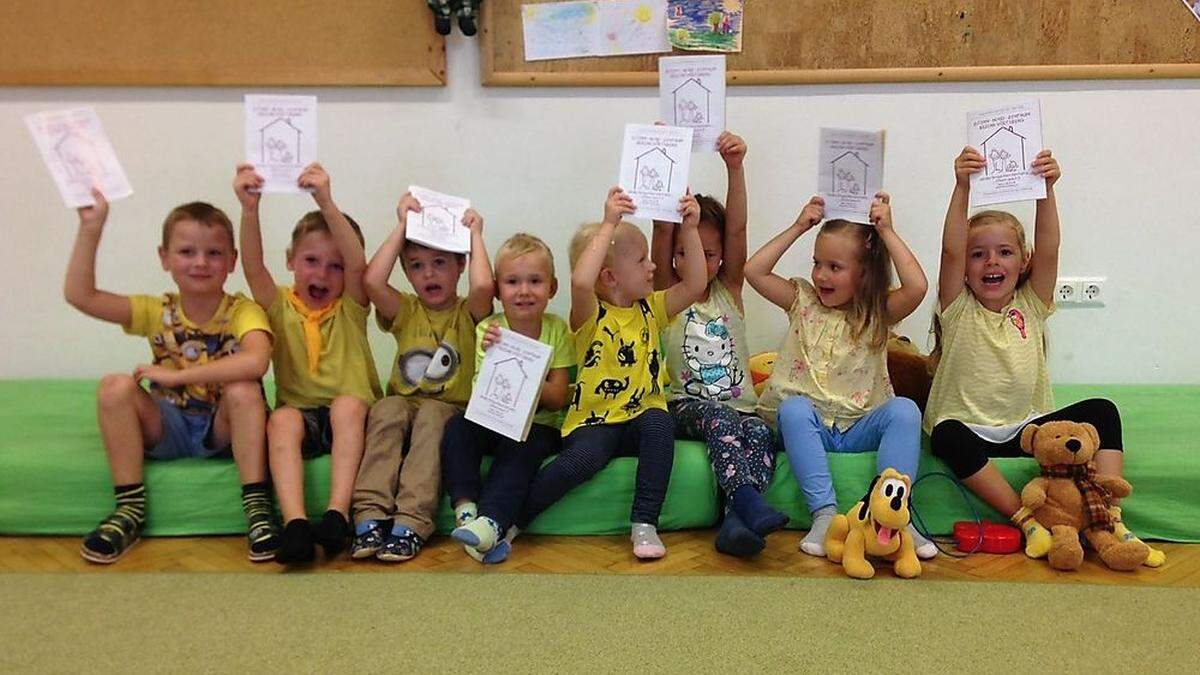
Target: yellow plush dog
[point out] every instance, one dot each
(878, 526)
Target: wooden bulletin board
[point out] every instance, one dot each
(220, 42)
(825, 41)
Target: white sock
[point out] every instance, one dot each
(925, 549)
(814, 542)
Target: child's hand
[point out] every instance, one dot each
(812, 214)
(247, 185)
(881, 211)
(166, 377)
(1045, 165)
(316, 179)
(473, 221)
(617, 205)
(969, 161)
(93, 217)
(407, 203)
(732, 149)
(689, 208)
(491, 336)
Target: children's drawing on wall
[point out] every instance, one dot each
(559, 30)
(706, 25)
(281, 138)
(78, 154)
(1194, 7)
(655, 161)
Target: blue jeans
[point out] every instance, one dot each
(893, 428)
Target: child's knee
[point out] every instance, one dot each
(284, 422)
(903, 411)
(797, 411)
(116, 390)
(347, 411)
(244, 393)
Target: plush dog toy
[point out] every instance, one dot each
(1070, 497)
(878, 526)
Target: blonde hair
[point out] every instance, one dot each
(583, 237)
(313, 221)
(201, 212)
(868, 310)
(521, 244)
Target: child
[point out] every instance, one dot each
(430, 383)
(618, 402)
(994, 296)
(210, 350)
(830, 390)
(325, 377)
(525, 283)
(711, 395)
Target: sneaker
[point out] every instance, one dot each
(111, 539)
(400, 547)
(368, 543)
(262, 541)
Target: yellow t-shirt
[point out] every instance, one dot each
(621, 367)
(556, 334)
(345, 367)
(992, 371)
(820, 360)
(177, 343)
(430, 347)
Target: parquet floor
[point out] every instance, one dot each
(689, 553)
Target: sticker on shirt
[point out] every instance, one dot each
(180, 347)
(429, 371)
(1018, 320)
(711, 368)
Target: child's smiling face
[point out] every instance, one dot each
(837, 268)
(433, 274)
(318, 270)
(994, 264)
(525, 284)
(199, 257)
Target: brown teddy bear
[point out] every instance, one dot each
(1070, 497)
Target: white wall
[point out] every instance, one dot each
(541, 159)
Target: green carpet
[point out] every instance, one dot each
(416, 622)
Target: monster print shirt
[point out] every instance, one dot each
(434, 351)
(706, 352)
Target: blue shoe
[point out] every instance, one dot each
(367, 543)
(400, 547)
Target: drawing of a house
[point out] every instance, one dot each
(849, 174)
(439, 220)
(77, 155)
(280, 143)
(691, 103)
(1005, 152)
(652, 171)
(507, 381)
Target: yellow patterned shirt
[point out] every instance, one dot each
(433, 351)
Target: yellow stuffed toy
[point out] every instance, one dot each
(877, 526)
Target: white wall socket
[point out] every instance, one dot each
(1067, 291)
(1081, 291)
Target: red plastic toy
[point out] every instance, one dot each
(997, 538)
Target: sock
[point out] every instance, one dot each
(1037, 538)
(131, 505)
(1156, 557)
(465, 513)
(814, 542)
(261, 533)
(646, 544)
(925, 549)
(365, 527)
(735, 539)
(480, 534)
(296, 544)
(754, 511)
(332, 532)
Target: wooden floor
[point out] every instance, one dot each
(689, 553)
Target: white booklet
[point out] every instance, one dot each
(78, 155)
(1008, 137)
(281, 138)
(691, 93)
(439, 223)
(509, 385)
(655, 161)
(850, 172)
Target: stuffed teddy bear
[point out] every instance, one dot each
(1070, 497)
(877, 525)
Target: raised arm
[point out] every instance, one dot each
(79, 289)
(386, 298)
(354, 259)
(694, 275)
(483, 284)
(779, 291)
(1043, 265)
(662, 252)
(903, 300)
(246, 185)
(953, 269)
(249, 363)
(587, 267)
(733, 151)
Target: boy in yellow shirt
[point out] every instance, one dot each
(431, 381)
(210, 350)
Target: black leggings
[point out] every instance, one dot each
(966, 453)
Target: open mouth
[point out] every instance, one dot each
(884, 535)
(318, 293)
(993, 279)
(432, 289)
(825, 290)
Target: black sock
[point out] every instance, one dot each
(755, 512)
(332, 532)
(296, 545)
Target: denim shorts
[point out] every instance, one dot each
(186, 433)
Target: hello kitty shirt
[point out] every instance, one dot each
(707, 355)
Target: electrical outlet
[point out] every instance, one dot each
(1092, 291)
(1067, 291)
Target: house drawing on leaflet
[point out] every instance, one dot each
(507, 381)
(849, 174)
(1005, 152)
(652, 171)
(439, 220)
(280, 143)
(691, 103)
(77, 156)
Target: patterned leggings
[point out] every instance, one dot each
(741, 447)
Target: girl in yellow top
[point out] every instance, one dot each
(830, 390)
(994, 296)
(324, 374)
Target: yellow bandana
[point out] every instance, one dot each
(312, 326)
